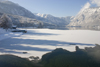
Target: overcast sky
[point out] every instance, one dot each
(59, 8)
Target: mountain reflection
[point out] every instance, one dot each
(77, 28)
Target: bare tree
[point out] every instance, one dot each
(5, 22)
(0, 23)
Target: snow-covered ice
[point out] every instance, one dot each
(37, 42)
(6, 34)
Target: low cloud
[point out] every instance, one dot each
(97, 2)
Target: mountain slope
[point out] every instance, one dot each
(88, 17)
(9, 7)
(19, 12)
(59, 21)
(22, 21)
(67, 18)
(19, 15)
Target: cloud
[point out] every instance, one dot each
(97, 2)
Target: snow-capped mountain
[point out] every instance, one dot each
(59, 21)
(89, 17)
(21, 16)
(9, 7)
(44, 15)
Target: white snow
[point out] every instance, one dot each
(37, 42)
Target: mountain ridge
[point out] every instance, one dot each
(59, 21)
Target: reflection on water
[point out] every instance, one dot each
(84, 28)
(68, 28)
(78, 28)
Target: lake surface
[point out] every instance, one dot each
(37, 42)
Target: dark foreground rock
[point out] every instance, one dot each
(15, 61)
(88, 57)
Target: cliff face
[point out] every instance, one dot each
(88, 17)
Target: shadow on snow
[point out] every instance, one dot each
(14, 44)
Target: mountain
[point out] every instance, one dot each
(67, 18)
(88, 17)
(21, 16)
(59, 21)
(9, 7)
(22, 21)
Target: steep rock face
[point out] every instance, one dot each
(9, 7)
(88, 17)
(59, 21)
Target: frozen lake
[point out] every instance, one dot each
(37, 42)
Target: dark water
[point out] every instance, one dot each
(68, 28)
